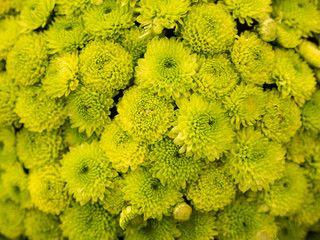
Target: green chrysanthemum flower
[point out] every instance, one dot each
(245, 105)
(47, 189)
(182, 212)
(281, 119)
(247, 10)
(72, 137)
(8, 97)
(293, 76)
(134, 42)
(253, 58)
(11, 220)
(105, 66)
(242, 221)
(216, 77)
(89, 110)
(201, 226)
(66, 35)
(310, 52)
(157, 14)
(42, 226)
(167, 68)
(154, 230)
(302, 15)
(108, 20)
(88, 173)
(290, 230)
(144, 115)
(148, 194)
(287, 36)
(202, 128)
(131, 218)
(311, 113)
(121, 149)
(38, 112)
(28, 59)
(8, 153)
(62, 75)
(208, 29)
(9, 32)
(89, 222)
(255, 161)
(170, 167)
(36, 13)
(38, 149)
(267, 29)
(287, 194)
(214, 190)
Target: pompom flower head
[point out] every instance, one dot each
(209, 28)
(255, 161)
(148, 194)
(167, 68)
(293, 76)
(216, 77)
(249, 10)
(9, 32)
(39, 112)
(253, 58)
(311, 113)
(89, 110)
(108, 20)
(105, 66)
(88, 173)
(157, 14)
(121, 149)
(28, 59)
(202, 128)
(214, 189)
(144, 115)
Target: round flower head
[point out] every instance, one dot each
(66, 35)
(89, 222)
(8, 153)
(267, 29)
(144, 115)
(289, 230)
(47, 189)
(182, 212)
(36, 13)
(154, 230)
(42, 226)
(130, 217)
(9, 32)
(105, 66)
(88, 173)
(216, 77)
(72, 137)
(249, 10)
(28, 59)
(255, 161)
(209, 29)
(311, 113)
(39, 112)
(214, 190)
(157, 14)
(242, 221)
(287, 194)
(310, 52)
(301, 14)
(8, 96)
(62, 75)
(170, 167)
(293, 76)
(245, 105)
(121, 149)
(287, 36)
(281, 119)
(148, 194)
(108, 20)
(167, 68)
(11, 221)
(253, 58)
(89, 110)
(38, 149)
(202, 128)
(200, 226)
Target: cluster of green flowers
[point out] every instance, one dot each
(159, 119)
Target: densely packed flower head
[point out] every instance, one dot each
(160, 119)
